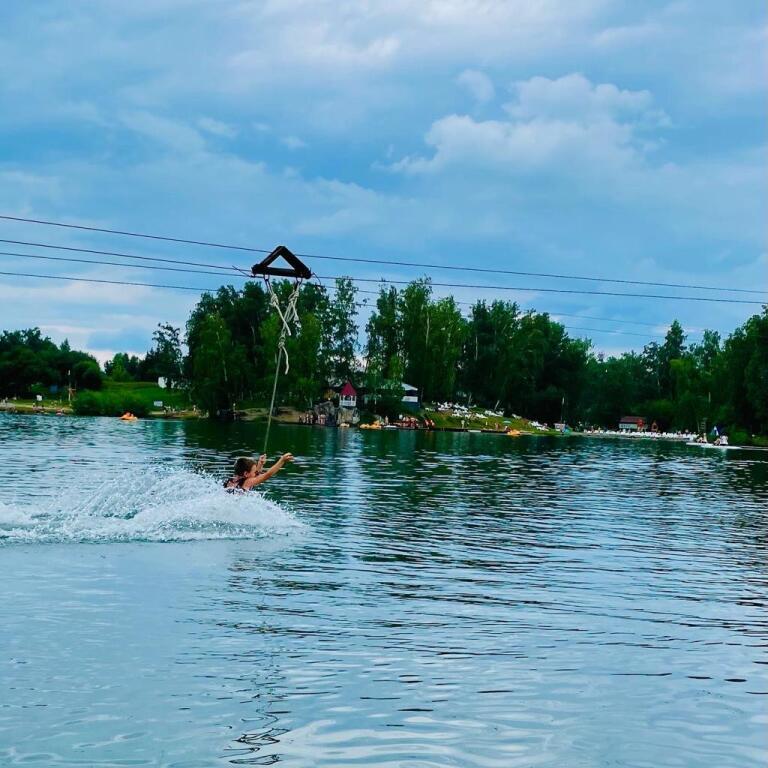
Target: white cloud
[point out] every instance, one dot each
(329, 44)
(617, 37)
(478, 84)
(293, 142)
(19, 290)
(739, 65)
(102, 119)
(173, 134)
(19, 188)
(567, 124)
(574, 97)
(216, 127)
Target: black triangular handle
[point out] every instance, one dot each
(299, 269)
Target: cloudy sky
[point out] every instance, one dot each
(603, 138)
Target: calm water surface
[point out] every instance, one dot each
(392, 600)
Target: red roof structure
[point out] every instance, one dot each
(348, 391)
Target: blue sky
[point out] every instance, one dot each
(591, 137)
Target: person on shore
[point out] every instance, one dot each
(248, 473)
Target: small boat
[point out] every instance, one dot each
(128, 417)
(513, 433)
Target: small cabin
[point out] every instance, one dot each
(632, 424)
(348, 396)
(410, 396)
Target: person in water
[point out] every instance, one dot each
(249, 473)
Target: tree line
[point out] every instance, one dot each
(31, 363)
(497, 356)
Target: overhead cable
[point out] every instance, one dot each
(134, 234)
(102, 281)
(119, 254)
(234, 272)
(109, 282)
(388, 262)
(539, 289)
(98, 262)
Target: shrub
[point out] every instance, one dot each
(87, 404)
(108, 404)
(738, 437)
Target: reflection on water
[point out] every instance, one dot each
(398, 599)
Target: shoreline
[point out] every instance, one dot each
(290, 419)
(26, 409)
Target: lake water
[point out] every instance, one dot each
(391, 600)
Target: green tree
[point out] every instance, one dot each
(673, 348)
(30, 360)
(123, 367)
(217, 366)
(413, 310)
(383, 353)
(165, 357)
(444, 338)
(741, 376)
(339, 331)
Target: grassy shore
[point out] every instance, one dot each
(148, 393)
(476, 419)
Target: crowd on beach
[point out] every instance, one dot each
(653, 435)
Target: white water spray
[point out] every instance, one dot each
(153, 505)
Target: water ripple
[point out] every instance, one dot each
(441, 600)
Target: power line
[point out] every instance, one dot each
(521, 273)
(539, 289)
(102, 281)
(97, 262)
(605, 319)
(196, 271)
(554, 314)
(563, 314)
(134, 234)
(115, 253)
(233, 272)
(611, 330)
(388, 262)
(109, 282)
(551, 312)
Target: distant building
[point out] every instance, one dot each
(410, 396)
(348, 396)
(632, 424)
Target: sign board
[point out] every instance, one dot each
(39, 398)
(158, 403)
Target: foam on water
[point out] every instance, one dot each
(154, 505)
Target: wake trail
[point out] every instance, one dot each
(156, 504)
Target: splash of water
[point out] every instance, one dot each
(154, 505)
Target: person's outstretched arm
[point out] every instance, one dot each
(264, 476)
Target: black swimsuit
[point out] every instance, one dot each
(238, 484)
